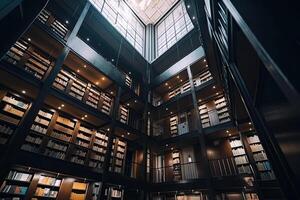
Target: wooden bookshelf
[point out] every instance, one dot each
(174, 126)
(128, 81)
(124, 114)
(47, 187)
(204, 116)
(260, 157)
(222, 110)
(29, 57)
(79, 190)
(240, 156)
(179, 90)
(118, 156)
(176, 165)
(16, 184)
(84, 91)
(202, 78)
(12, 110)
(60, 28)
(99, 148)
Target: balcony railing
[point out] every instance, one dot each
(223, 167)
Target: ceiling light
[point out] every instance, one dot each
(129, 73)
(250, 129)
(85, 115)
(111, 92)
(107, 129)
(199, 100)
(172, 148)
(166, 84)
(249, 123)
(135, 101)
(180, 80)
(62, 105)
(194, 17)
(67, 22)
(178, 76)
(167, 108)
(87, 39)
(206, 65)
(112, 60)
(103, 78)
(169, 87)
(128, 104)
(29, 39)
(214, 87)
(188, 6)
(171, 112)
(204, 60)
(167, 145)
(97, 83)
(229, 134)
(82, 118)
(59, 108)
(78, 70)
(128, 133)
(227, 131)
(122, 135)
(23, 91)
(84, 66)
(217, 93)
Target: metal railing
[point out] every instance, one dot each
(223, 167)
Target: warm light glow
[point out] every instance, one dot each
(62, 105)
(103, 78)
(23, 91)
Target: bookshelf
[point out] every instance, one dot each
(47, 187)
(202, 78)
(203, 110)
(98, 150)
(37, 131)
(251, 196)
(174, 126)
(57, 26)
(176, 165)
(33, 60)
(260, 157)
(222, 110)
(79, 190)
(124, 114)
(12, 110)
(118, 156)
(240, 156)
(116, 193)
(180, 90)
(96, 190)
(16, 184)
(82, 90)
(128, 80)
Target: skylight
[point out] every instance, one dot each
(123, 19)
(172, 28)
(150, 11)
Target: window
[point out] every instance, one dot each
(123, 19)
(172, 28)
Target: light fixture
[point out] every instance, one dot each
(62, 105)
(204, 60)
(87, 39)
(112, 60)
(59, 108)
(167, 145)
(111, 92)
(229, 134)
(82, 118)
(85, 115)
(128, 133)
(194, 17)
(178, 76)
(129, 73)
(67, 22)
(84, 66)
(250, 129)
(172, 148)
(97, 83)
(227, 131)
(188, 6)
(214, 87)
(180, 80)
(199, 100)
(189, 159)
(249, 123)
(135, 101)
(206, 65)
(78, 70)
(23, 91)
(169, 87)
(29, 39)
(128, 104)
(108, 129)
(122, 135)
(171, 113)
(167, 108)
(217, 93)
(166, 84)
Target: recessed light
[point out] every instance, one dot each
(67, 22)
(97, 83)
(103, 78)
(214, 87)
(87, 39)
(135, 101)
(178, 76)
(129, 73)
(229, 134)
(227, 131)
(23, 91)
(107, 129)
(217, 93)
(59, 108)
(29, 39)
(250, 129)
(62, 105)
(188, 6)
(169, 87)
(112, 60)
(194, 17)
(249, 123)
(167, 145)
(82, 118)
(167, 108)
(128, 133)
(204, 60)
(85, 115)
(111, 92)
(128, 104)
(78, 70)
(84, 66)
(166, 84)
(122, 135)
